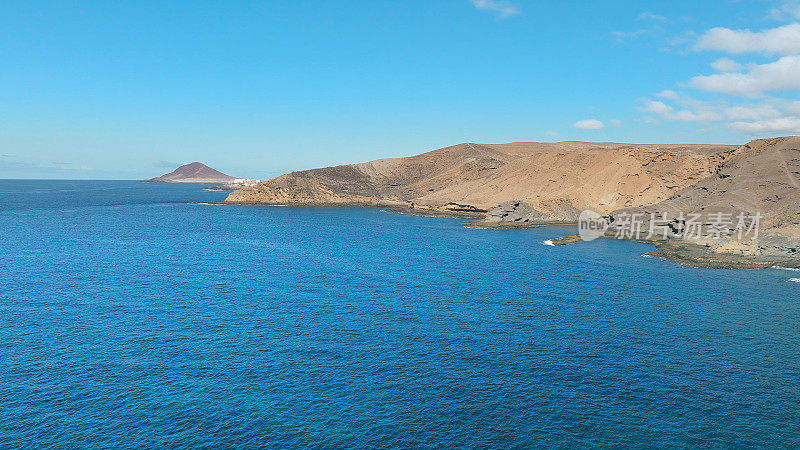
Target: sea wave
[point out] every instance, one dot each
(549, 242)
(794, 280)
(793, 269)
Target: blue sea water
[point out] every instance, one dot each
(132, 317)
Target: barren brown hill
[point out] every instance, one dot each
(761, 177)
(556, 179)
(193, 173)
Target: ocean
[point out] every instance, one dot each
(132, 317)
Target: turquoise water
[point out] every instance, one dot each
(131, 317)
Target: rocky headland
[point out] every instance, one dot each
(525, 184)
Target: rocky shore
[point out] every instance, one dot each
(700, 255)
(522, 185)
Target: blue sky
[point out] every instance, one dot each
(115, 89)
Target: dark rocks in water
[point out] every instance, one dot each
(522, 212)
(516, 211)
(462, 208)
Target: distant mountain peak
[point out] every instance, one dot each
(195, 172)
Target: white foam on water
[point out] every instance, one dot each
(648, 255)
(794, 280)
(549, 243)
(785, 268)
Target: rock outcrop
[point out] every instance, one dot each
(518, 211)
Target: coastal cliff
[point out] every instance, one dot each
(524, 184)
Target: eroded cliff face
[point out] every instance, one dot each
(761, 178)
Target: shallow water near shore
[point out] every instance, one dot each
(131, 316)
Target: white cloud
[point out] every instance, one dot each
(654, 106)
(501, 9)
(751, 112)
(783, 40)
(622, 36)
(551, 133)
(788, 10)
(726, 65)
(647, 15)
(682, 39)
(777, 125)
(739, 78)
(693, 110)
(769, 115)
(692, 116)
(790, 106)
(781, 75)
(615, 122)
(699, 112)
(672, 95)
(588, 124)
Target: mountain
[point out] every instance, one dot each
(555, 179)
(193, 173)
(529, 183)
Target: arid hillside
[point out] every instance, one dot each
(760, 178)
(556, 179)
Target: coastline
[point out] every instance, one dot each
(701, 256)
(682, 252)
(504, 225)
(533, 184)
(678, 251)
